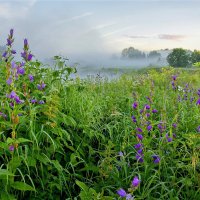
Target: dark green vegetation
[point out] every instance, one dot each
(66, 143)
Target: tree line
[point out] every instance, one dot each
(178, 57)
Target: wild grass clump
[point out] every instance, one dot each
(132, 137)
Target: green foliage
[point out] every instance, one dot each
(68, 147)
(179, 58)
(195, 56)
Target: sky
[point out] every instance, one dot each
(94, 28)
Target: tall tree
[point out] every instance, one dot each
(179, 58)
(132, 53)
(195, 56)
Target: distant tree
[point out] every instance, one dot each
(195, 56)
(132, 53)
(154, 54)
(179, 58)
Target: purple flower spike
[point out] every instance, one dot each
(174, 125)
(139, 130)
(156, 159)
(139, 136)
(121, 192)
(139, 158)
(141, 111)
(149, 128)
(140, 151)
(174, 77)
(30, 57)
(9, 42)
(11, 148)
(12, 95)
(198, 129)
(11, 33)
(137, 146)
(135, 182)
(21, 71)
(135, 105)
(13, 52)
(147, 107)
(4, 54)
(25, 42)
(9, 81)
(33, 101)
(148, 115)
(31, 77)
(198, 102)
(154, 111)
(168, 138)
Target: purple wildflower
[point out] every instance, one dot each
(30, 57)
(135, 105)
(137, 146)
(174, 125)
(154, 111)
(148, 115)
(33, 101)
(23, 55)
(149, 128)
(174, 77)
(198, 129)
(11, 148)
(139, 136)
(198, 102)
(18, 100)
(156, 159)
(141, 111)
(139, 158)
(25, 43)
(9, 42)
(169, 139)
(31, 77)
(140, 151)
(135, 182)
(121, 192)
(21, 71)
(198, 92)
(13, 52)
(139, 130)
(9, 81)
(12, 95)
(147, 107)
(4, 54)
(11, 33)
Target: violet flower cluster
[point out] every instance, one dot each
(134, 185)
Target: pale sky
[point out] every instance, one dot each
(97, 27)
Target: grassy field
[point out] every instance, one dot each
(137, 136)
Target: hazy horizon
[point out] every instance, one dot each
(96, 28)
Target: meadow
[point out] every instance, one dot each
(133, 137)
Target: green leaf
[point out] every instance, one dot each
(22, 186)
(22, 140)
(82, 185)
(5, 172)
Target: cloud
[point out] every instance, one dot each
(160, 36)
(117, 31)
(86, 14)
(171, 37)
